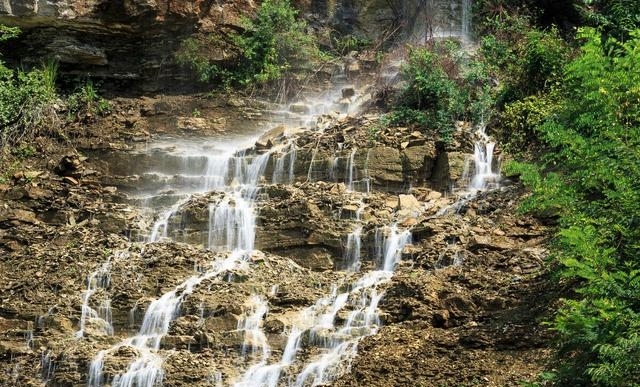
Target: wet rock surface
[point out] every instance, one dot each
(464, 306)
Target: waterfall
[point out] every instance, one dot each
(338, 341)
(146, 370)
(231, 230)
(429, 19)
(283, 172)
(484, 175)
(350, 172)
(99, 279)
(352, 250)
(251, 325)
(333, 325)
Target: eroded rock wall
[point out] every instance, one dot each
(129, 42)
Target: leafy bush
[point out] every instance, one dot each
(274, 41)
(197, 53)
(591, 180)
(26, 102)
(518, 121)
(85, 102)
(616, 18)
(442, 85)
(526, 61)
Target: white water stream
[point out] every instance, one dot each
(232, 230)
(330, 329)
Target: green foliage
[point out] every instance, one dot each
(26, 102)
(7, 32)
(274, 41)
(345, 44)
(616, 18)
(526, 61)
(23, 151)
(520, 118)
(85, 102)
(591, 182)
(442, 85)
(26, 98)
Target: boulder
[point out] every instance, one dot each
(385, 165)
(448, 169)
(348, 92)
(300, 108)
(419, 161)
(408, 202)
(192, 124)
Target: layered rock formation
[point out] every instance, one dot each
(470, 288)
(132, 41)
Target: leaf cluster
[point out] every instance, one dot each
(27, 101)
(271, 44)
(590, 181)
(442, 84)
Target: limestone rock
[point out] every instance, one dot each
(385, 165)
(408, 202)
(448, 169)
(16, 216)
(271, 137)
(348, 92)
(300, 108)
(116, 40)
(419, 160)
(192, 124)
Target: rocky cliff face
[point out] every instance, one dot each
(470, 289)
(130, 41)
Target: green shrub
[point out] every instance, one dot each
(272, 43)
(590, 180)
(518, 121)
(442, 85)
(525, 61)
(345, 44)
(616, 18)
(85, 102)
(26, 103)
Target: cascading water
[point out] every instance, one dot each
(428, 19)
(232, 223)
(484, 175)
(99, 279)
(238, 176)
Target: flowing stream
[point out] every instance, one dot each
(221, 165)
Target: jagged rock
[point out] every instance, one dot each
(419, 161)
(448, 169)
(236, 102)
(70, 180)
(408, 202)
(488, 242)
(9, 349)
(299, 107)
(348, 92)
(69, 165)
(16, 216)
(127, 40)
(385, 165)
(271, 137)
(67, 49)
(192, 124)
(352, 66)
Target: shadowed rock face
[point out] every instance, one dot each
(130, 42)
(133, 42)
(127, 41)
